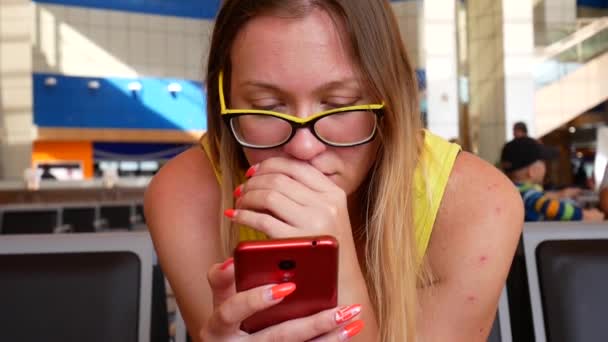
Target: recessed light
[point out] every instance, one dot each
(94, 84)
(135, 86)
(174, 87)
(50, 81)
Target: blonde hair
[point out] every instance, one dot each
(392, 255)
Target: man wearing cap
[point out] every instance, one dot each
(523, 160)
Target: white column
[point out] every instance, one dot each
(441, 67)
(518, 40)
(500, 51)
(16, 123)
(486, 77)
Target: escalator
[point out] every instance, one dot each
(571, 75)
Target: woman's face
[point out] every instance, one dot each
(299, 66)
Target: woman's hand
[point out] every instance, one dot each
(231, 308)
(287, 198)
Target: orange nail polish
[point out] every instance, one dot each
(282, 290)
(346, 313)
(230, 213)
(351, 330)
(238, 191)
(227, 264)
(251, 171)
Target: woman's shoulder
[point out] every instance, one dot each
(477, 192)
(482, 211)
(186, 184)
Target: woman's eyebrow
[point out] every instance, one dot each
(260, 84)
(348, 83)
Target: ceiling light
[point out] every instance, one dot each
(572, 129)
(94, 84)
(135, 86)
(174, 87)
(50, 81)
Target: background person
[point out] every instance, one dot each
(520, 130)
(523, 160)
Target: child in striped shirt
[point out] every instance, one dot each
(523, 160)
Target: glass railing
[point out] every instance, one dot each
(552, 34)
(571, 59)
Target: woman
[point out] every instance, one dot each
(426, 233)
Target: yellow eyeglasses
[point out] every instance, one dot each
(264, 129)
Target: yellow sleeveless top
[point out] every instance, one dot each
(430, 180)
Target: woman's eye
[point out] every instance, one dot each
(271, 107)
(333, 105)
(338, 103)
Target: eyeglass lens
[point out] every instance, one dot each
(340, 128)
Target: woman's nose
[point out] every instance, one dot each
(304, 145)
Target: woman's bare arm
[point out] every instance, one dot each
(604, 200)
(181, 208)
(471, 249)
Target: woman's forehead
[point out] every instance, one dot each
(301, 49)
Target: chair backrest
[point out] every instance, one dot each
(76, 287)
(139, 211)
(181, 333)
(568, 278)
(117, 216)
(159, 325)
(29, 221)
(79, 219)
(501, 328)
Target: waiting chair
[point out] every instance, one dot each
(181, 333)
(501, 328)
(139, 212)
(76, 287)
(568, 278)
(115, 216)
(30, 221)
(79, 219)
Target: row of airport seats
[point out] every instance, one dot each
(104, 286)
(86, 217)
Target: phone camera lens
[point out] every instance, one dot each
(287, 265)
(314, 243)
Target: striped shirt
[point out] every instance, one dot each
(539, 207)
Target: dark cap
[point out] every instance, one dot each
(522, 152)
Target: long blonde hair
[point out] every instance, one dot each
(392, 255)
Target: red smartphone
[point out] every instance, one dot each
(309, 262)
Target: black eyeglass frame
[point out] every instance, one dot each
(299, 125)
(295, 122)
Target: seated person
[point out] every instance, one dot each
(314, 129)
(523, 160)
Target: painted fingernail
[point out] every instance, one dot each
(251, 171)
(351, 330)
(230, 213)
(227, 264)
(346, 313)
(280, 291)
(238, 191)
